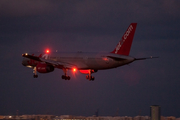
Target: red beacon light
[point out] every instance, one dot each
(47, 51)
(74, 69)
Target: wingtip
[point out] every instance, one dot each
(153, 57)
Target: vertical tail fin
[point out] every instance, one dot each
(124, 45)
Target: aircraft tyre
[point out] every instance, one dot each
(35, 76)
(66, 77)
(87, 76)
(90, 78)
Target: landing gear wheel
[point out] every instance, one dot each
(90, 78)
(66, 77)
(63, 76)
(35, 76)
(87, 76)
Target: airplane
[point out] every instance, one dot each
(85, 62)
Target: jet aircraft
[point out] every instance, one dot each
(85, 62)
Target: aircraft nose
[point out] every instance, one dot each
(25, 62)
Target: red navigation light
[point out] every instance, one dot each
(47, 51)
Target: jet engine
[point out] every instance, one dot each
(44, 68)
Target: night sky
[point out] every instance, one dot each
(90, 26)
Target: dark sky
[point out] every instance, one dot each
(90, 25)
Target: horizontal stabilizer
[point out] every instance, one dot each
(151, 57)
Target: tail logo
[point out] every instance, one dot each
(124, 38)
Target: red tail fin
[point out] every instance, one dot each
(124, 45)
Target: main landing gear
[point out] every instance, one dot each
(35, 72)
(65, 76)
(90, 77)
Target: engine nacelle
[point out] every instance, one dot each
(44, 68)
(87, 71)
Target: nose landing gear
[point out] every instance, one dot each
(35, 76)
(35, 72)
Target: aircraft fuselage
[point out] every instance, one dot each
(84, 60)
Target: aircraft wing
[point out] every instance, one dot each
(124, 58)
(31, 57)
(56, 64)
